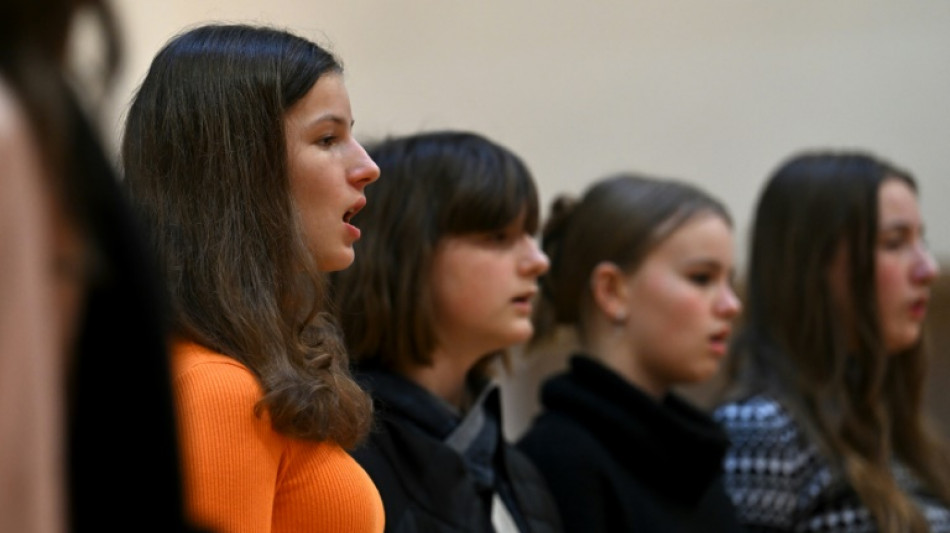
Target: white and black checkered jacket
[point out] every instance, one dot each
(779, 480)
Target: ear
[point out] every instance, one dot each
(608, 285)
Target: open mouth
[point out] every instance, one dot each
(918, 308)
(352, 211)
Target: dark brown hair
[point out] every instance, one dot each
(205, 159)
(432, 185)
(33, 42)
(619, 219)
(862, 404)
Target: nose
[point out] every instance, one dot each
(925, 269)
(534, 261)
(364, 170)
(727, 304)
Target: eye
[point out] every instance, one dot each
(894, 240)
(701, 278)
(327, 141)
(496, 237)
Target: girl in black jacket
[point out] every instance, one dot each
(642, 268)
(442, 284)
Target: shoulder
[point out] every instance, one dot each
(204, 376)
(766, 438)
(190, 360)
(563, 451)
(395, 456)
(554, 427)
(764, 435)
(756, 414)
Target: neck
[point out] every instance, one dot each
(444, 378)
(606, 342)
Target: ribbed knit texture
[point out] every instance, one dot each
(242, 476)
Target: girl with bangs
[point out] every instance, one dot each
(442, 286)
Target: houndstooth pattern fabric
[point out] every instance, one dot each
(779, 481)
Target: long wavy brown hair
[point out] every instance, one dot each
(864, 406)
(205, 159)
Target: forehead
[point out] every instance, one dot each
(897, 203)
(327, 99)
(704, 235)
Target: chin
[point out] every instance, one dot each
(702, 374)
(336, 263)
(903, 342)
(521, 336)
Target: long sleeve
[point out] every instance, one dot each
(242, 476)
(231, 456)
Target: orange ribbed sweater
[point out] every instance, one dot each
(242, 476)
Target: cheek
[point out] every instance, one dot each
(675, 305)
(315, 202)
(888, 282)
(456, 284)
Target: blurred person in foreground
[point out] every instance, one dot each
(87, 424)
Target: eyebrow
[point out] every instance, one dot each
(331, 118)
(901, 224)
(902, 227)
(705, 262)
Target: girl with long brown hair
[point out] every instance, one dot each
(240, 152)
(825, 408)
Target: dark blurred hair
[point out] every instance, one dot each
(205, 159)
(121, 311)
(432, 185)
(861, 403)
(620, 219)
(33, 40)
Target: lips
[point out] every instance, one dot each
(719, 341)
(354, 209)
(721, 336)
(526, 297)
(918, 308)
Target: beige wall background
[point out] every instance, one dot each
(716, 92)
